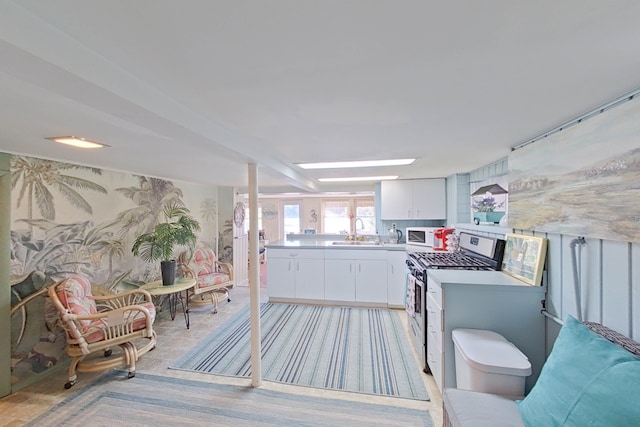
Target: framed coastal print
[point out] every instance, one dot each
(524, 257)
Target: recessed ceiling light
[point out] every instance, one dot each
(357, 164)
(77, 142)
(359, 178)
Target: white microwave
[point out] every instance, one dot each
(422, 236)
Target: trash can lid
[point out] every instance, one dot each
(490, 352)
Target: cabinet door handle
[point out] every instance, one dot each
(289, 265)
(298, 266)
(350, 268)
(409, 213)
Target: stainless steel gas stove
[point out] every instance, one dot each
(474, 253)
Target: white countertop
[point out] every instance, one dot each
(324, 244)
(483, 278)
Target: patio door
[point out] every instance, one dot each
(291, 217)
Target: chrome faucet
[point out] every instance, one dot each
(355, 227)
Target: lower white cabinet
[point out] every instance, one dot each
(356, 276)
(296, 274)
(281, 282)
(396, 278)
(371, 280)
(362, 276)
(488, 300)
(339, 280)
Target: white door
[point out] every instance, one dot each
(291, 214)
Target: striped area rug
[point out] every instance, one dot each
(340, 348)
(152, 400)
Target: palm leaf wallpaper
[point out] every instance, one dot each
(75, 219)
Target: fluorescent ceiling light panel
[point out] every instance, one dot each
(357, 164)
(76, 141)
(359, 178)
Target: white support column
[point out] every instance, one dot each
(254, 278)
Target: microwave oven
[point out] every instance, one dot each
(421, 236)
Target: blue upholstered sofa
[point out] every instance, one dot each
(591, 378)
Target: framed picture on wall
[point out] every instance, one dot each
(524, 257)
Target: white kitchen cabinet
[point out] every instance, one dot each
(488, 300)
(281, 280)
(339, 279)
(356, 276)
(429, 199)
(396, 278)
(296, 273)
(371, 280)
(413, 199)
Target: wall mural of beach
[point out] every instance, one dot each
(583, 180)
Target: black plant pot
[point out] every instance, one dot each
(168, 272)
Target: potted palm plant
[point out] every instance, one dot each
(179, 229)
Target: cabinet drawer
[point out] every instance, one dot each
(355, 254)
(434, 319)
(435, 360)
(297, 253)
(435, 291)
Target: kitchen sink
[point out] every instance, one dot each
(356, 243)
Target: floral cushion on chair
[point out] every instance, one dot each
(205, 260)
(207, 270)
(212, 279)
(75, 294)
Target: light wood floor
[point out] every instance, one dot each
(174, 340)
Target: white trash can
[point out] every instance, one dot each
(487, 362)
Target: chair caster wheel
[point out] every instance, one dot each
(228, 299)
(108, 352)
(68, 385)
(214, 311)
(131, 375)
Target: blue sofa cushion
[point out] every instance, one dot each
(586, 381)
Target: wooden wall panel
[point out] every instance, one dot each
(609, 275)
(592, 280)
(635, 291)
(616, 286)
(554, 276)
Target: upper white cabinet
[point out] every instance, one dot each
(413, 199)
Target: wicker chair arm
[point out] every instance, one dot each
(123, 299)
(226, 267)
(110, 324)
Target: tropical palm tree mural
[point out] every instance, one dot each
(64, 249)
(209, 213)
(37, 175)
(150, 198)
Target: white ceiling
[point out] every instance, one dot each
(194, 90)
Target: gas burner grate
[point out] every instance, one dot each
(452, 260)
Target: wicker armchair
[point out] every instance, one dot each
(97, 324)
(213, 278)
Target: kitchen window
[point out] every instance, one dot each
(349, 216)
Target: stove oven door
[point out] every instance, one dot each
(416, 315)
